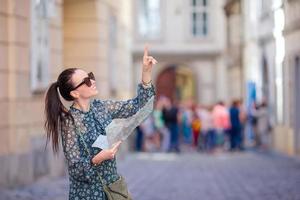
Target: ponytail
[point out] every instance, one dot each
(55, 111)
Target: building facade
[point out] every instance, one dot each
(38, 39)
(188, 40)
(270, 61)
(234, 48)
(291, 73)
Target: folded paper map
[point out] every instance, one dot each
(121, 128)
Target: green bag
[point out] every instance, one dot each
(116, 190)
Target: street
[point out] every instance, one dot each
(193, 176)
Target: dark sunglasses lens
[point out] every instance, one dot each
(91, 76)
(88, 82)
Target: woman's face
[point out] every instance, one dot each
(84, 91)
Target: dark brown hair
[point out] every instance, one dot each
(55, 111)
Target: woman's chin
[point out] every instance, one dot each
(95, 92)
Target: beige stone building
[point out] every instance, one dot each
(38, 39)
(188, 40)
(270, 62)
(287, 130)
(272, 47)
(234, 48)
(291, 74)
(258, 56)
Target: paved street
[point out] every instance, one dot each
(237, 176)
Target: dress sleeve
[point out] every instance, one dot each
(127, 108)
(79, 163)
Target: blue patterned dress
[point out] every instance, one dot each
(84, 183)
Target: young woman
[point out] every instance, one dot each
(89, 118)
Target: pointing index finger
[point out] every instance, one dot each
(146, 51)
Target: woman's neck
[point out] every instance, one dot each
(83, 105)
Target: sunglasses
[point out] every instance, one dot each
(86, 80)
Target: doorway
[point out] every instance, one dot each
(176, 82)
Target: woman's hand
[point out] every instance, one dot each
(148, 62)
(106, 154)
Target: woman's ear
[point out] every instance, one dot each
(74, 94)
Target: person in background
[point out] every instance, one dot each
(196, 127)
(253, 122)
(263, 126)
(235, 130)
(170, 116)
(186, 124)
(159, 124)
(207, 128)
(221, 123)
(139, 139)
(151, 142)
(243, 120)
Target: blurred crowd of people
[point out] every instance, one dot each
(178, 126)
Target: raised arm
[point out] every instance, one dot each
(127, 108)
(145, 92)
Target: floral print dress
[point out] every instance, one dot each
(83, 176)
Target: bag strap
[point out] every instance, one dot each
(87, 150)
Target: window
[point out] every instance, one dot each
(149, 20)
(199, 18)
(41, 11)
(265, 7)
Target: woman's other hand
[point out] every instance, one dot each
(106, 154)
